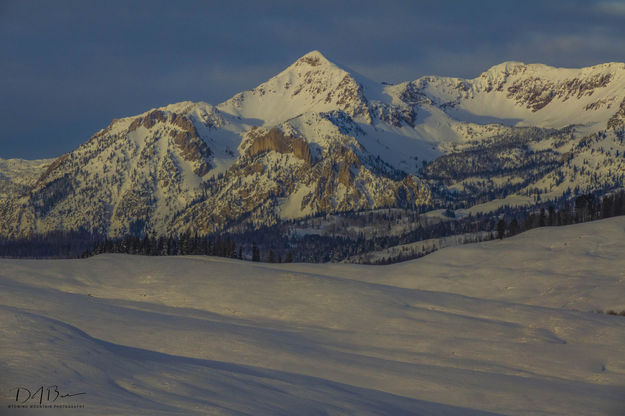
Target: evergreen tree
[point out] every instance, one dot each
(552, 215)
(514, 227)
(501, 229)
(255, 252)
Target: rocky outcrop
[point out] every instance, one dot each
(311, 60)
(348, 97)
(618, 120)
(275, 140)
(536, 93)
(148, 121)
(192, 147)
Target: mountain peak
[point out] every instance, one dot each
(313, 58)
(311, 83)
(315, 61)
(508, 67)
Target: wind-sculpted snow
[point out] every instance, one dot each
(505, 327)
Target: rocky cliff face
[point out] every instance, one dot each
(275, 140)
(317, 138)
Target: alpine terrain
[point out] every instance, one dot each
(319, 139)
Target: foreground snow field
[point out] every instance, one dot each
(503, 327)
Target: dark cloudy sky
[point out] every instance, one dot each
(68, 67)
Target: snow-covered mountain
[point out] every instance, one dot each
(320, 138)
(514, 93)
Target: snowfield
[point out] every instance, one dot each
(504, 327)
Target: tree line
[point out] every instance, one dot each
(275, 244)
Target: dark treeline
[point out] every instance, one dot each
(584, 208)
(214, 245)
(56, 244)
(316, 248)
(167, 246)
(275, 244)
(507, 221)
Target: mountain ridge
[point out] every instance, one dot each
(318, 138)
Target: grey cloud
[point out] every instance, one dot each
(611, 8)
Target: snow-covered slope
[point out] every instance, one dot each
(310, 84)
(504, 327)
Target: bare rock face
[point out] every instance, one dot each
(311, 60)
(191, 146)
(148, 121)
(536, 93)
(275, 140)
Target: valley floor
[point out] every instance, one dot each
(503, 327)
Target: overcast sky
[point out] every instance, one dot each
(68, 67)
